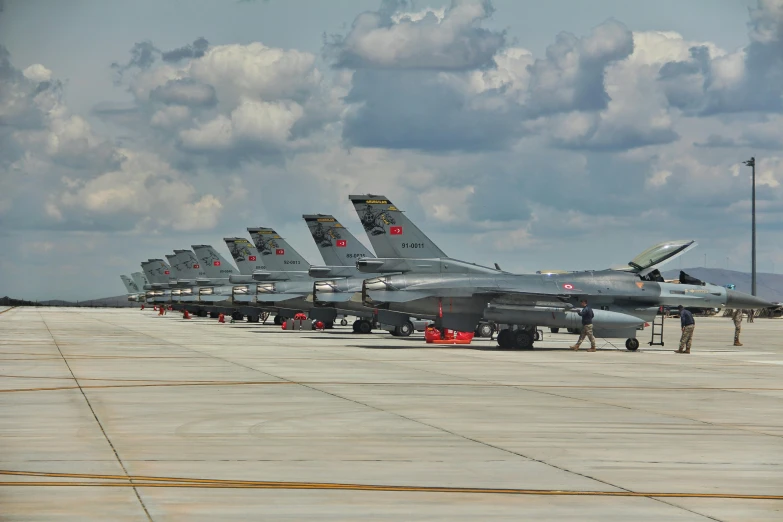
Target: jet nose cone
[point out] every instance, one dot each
(735, 299)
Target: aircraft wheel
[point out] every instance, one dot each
(278, 320)
(554, 330)
(522, 339)
(536, 335)
(328, 325)
(356, 325)
(343, 322)
(252, 318)
(404, 330)
(632, 344)
(573, 331)
(365, 327)
(213, 315)
(201, 313)
(237, 316)
(484, 330)
(504, 339)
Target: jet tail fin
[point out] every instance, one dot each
(215, 265)
(245, 255)
(390, 231)
(277, 253)
(139, 279)
(157, 271)
(130, 285)
(338, 247)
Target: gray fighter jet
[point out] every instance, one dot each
(623, 300)
(402, 248)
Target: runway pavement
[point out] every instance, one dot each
(124, 415)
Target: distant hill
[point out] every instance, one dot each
(768, 286)
(9, 301)
(120, 301)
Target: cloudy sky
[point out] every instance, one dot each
(560, 134)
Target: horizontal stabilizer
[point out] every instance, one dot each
(335, 298)
(384, 296)
(277, 298)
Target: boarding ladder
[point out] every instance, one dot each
(657, 329)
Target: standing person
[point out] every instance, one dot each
(586, 313)
(751, 315)
(737, 318)
(688, 324)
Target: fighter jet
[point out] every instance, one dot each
(402, 248)
(623, 300)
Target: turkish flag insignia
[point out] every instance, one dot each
(166, 272)
(215, 263)
(395, 231)
(280, 252)
(251, 258)
(342, 243)
(196, 266)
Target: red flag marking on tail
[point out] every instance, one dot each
(215, 263)
(395, 231)
(280, 252)
(342, 243)
(251, 258)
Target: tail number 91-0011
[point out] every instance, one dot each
(412, 245)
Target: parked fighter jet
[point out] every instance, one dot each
(402, 248)
(623, 300)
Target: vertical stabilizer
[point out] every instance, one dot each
(139, 279)
(130, 285)
(157, 271)
(337, 245)
(390, 231)
(190, 267)
(215, 265)
(245, 255)
(176, 266)
(276, 253)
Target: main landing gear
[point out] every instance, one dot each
(362, 326)
(520, 339)
(632, 344)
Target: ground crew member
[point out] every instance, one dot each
(586, 313)
(737, 318)
(751, 315)
(688, 324)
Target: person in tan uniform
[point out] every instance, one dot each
(736, 316)
(688, 324)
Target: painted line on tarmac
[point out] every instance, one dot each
(8, 309)
(176, 482)
(152, 383)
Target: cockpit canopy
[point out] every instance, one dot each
(649, 261)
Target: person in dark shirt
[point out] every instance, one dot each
(688, 324)
(586, 313)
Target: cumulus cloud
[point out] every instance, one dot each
(451, 39)
(194, 50)
(56, 171)
(185, 92)
(571, 77)
(143, 188)
(711, 81)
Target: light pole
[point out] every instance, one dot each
(752, 164)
